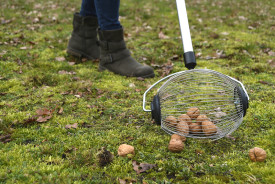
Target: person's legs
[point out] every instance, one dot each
(108, 14)
(114, 54)
(88, 8)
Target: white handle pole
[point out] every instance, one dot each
(184, 26)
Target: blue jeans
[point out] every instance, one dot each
(106, 11)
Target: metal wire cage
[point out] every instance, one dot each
(199, 103)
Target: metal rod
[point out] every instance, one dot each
(184, 26)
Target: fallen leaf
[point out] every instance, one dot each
(225, 33)
(271, 63)
(61, 58)
(230, 137)
(42, 119)
(60, 110)
(175, 57)
(44, 111)
(5, 21)
(43, 115)
(266, 50)
(35, 20)
(167, 68)
(140, 78)
(271, 53)
(3, 94)
(30, 120)
(264, 82)
(143, 167)
(162, 35)
(132, 85)
(121, 181)
(199, 54)
(127, 180)
(75, 125)
(66, 72)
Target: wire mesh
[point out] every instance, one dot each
(200, 92)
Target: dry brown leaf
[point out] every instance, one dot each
(75, 125)
(121, 181)
(60, 110)
(30, 120)
(44, 111)
(143, 167)
(127, 181)
(42, 119)
(162, 35)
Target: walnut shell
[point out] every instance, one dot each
(202, 118)
(257, 154)
(176, 136)
(175, 145)
(124, 150)
(171, 121)
(194, 128)
(183, 127)
(193, 112)
(186, 118)
(208, 128)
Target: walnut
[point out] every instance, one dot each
(257, 154)
(193, 112)
(176, 136)
(202, 118)
(195, 128)
(183, 127)
(175, 145)
(186, 118)
(208, 127)
(171, 121)
(124, 150)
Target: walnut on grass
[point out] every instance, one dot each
(257, 154)
(176, 145)
(124, 150)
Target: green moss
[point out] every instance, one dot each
(108, 107)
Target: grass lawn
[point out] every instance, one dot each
(38, 78)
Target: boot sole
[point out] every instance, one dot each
(102, 68)
(79, 54)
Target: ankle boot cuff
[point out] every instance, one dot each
(87, 20)
(112, 46)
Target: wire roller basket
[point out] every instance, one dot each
(199, 103)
